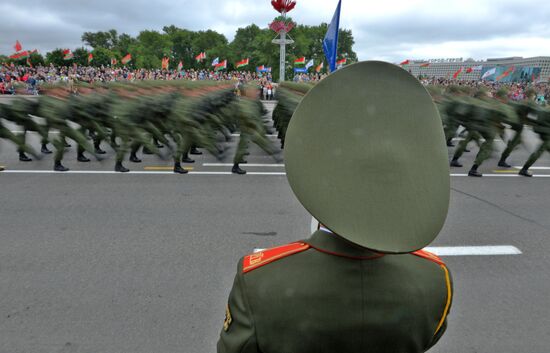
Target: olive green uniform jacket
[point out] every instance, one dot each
(326, 294)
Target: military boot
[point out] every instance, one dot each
(120, 168)
(82, 158)
(502, 163)
(58, 167)
(194, 150)
(186, 159)
(146, 151)
(525, 172)
(98, 149)
(45, 149)
(178, 169)
(237, 170)
(134, 158)
(23, 157)
(473, 172)
(455, 163)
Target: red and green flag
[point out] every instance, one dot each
(200, 57)
(113, 61)
(67, 54)
(90, 58)
(457, 73)
(242, 63)
(300, 61)
(180, 66)
(341, 62)
(125, 60)
(405, 62)
(20, 55)
(221, 66)
(319, 67)
(29, 61)
(165, 63)
(17, 46)
(505, 73)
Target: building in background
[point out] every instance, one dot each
(512, 69)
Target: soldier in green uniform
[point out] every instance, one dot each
(541, 125)
(522, 109)
(57, 113)
(359, 284)
(18, 112)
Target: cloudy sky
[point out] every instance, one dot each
(385, 30)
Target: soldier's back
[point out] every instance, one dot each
(327, 295)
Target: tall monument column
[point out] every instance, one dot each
(282, 26)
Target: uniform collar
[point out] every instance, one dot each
(325, 241)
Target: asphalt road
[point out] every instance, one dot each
(144, 262)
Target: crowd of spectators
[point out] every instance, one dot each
(29, 79)
(516, 90)
(309, 77)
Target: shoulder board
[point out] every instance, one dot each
(429, 256)
(253, 261)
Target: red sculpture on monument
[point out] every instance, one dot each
(282, 26)
(283, 6)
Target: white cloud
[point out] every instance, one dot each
(382, 29)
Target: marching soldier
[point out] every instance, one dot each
(541, 125)
(522, 109)
(360, 283)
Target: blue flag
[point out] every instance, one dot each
(330, 43)
(300, 70)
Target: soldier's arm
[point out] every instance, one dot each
(238, 334)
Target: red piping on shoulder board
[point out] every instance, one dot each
(253, 261)
(429, 256)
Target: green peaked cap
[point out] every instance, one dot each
(365, 154)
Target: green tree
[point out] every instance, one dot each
(150, 48)
(81, 56)
(123, 44)
(213, 44)
(55, 57)
(182, 45)
(108, 39)
(244, 45)
(102, 57)
(36, 59)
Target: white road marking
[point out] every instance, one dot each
(244, 165)
(504, 175)
(30, 171)
(31, 132)
(8, 171)
(533, 168)
(268, 135)
(455, 250)
(487, 250)
(484, 250)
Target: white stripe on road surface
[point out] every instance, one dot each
(533, 168)
(8, 171)
(244, 165)
(504, 175)
(474, 250)
(268, 135)
(31, 132)
(455, 250)
(487, 250)
(22, 171)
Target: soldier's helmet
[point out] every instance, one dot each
(365, 155)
